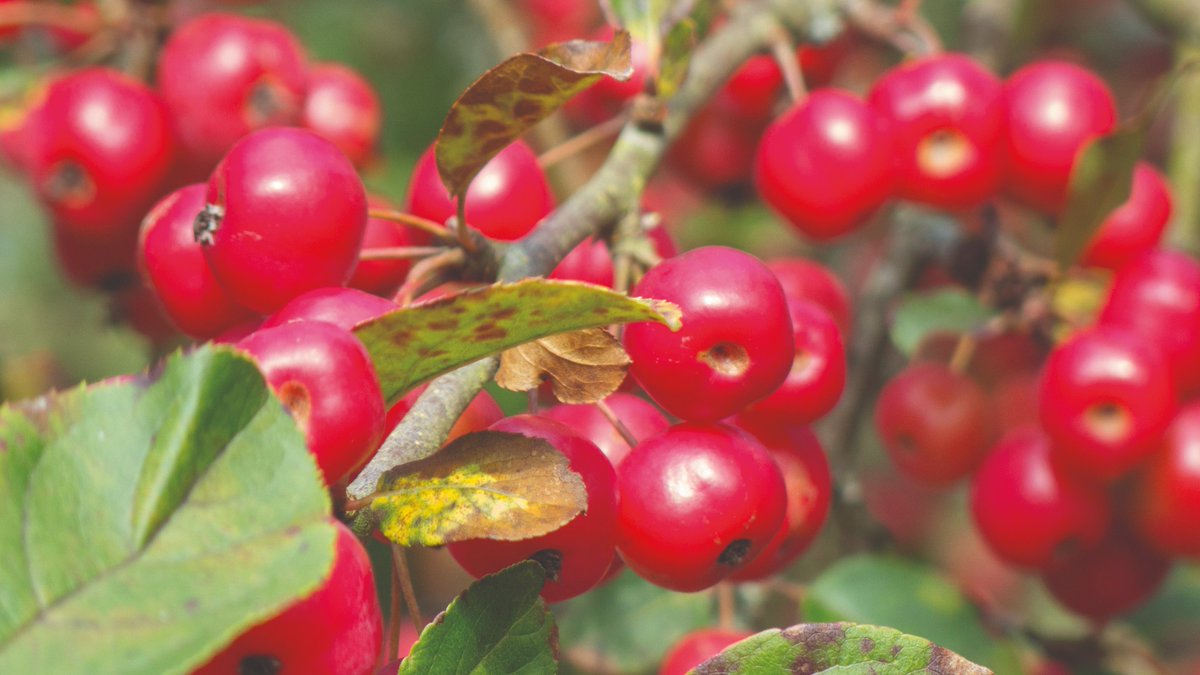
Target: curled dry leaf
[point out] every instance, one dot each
(517, 94)
(486, 484)
(584, 366)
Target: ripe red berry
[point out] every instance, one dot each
(559, 20)
(578, 554)
(736, 342)
(716, 150)
(1015, 400)
(505, 201)
(1029, 511)
(1157, 296)
(1108, 579)
(342, 307)
(336, 630)
(818, 374)
(697, 647)
(803, 279)
(1106, 399)
(173, 264)
(698, 502)
(641, 418)
(223, 76)
(286, 214)
(751, 92)
(934, 423)
(825, 165)
(102, 153)
(946, 120)
(1135, 226)
(589, 261)
(384, 277)
(342, 107)
(1053, 108)
(108, 266)
(809, 487)
(325, 379)
(1164, 504)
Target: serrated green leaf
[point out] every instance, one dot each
(517, 94)
(416, 344)
(498, 625)
(843, 648)
(145, 524)
(627, 624)
(487, 484)
(922, 314)
(894, 592)
(678, 46)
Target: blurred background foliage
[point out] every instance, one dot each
(420, 54)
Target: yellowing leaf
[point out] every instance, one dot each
(517, 94)
(486, 484)
(584, 366)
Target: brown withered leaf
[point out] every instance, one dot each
(584, 366)
(488, 484)
(517, 94)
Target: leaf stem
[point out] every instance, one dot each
(612, 418)
(726, 606)
(404, 577)
(416, 222)
(1184, 162)
(783, 50)
(400, 252)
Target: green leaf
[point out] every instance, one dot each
(498, 625)
(648, 20)
(517, 94)
(678, 46)
(922, 314)
(1171, 619)
(843, 648)
(628, 624)
(487, 484)
(909, 597)
(416, 344)
(1100, 182)
(145, 524)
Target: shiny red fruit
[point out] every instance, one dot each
(223, 76)
(809, 486)
(804, 279)
(102, 153)
(1109, 579)
(697, 647)
(505, 201)
(1106, 399)
(286, 214)
(342, 307)
(1030, 512)
(641, 418)
(1164, 504)
(336, 630)
(716, 150)
(1053, 108)
(736, 342)
(934, 423)
(578, 554)
(325, 379)
(698, 502)
(108, 266)
(817, 377)
(946, 120)
(173, 264)
(1157, 296)
(591, 260)
(825, 165)
(343, 108)
(1135, 226)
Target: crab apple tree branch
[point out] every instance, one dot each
(601, 201)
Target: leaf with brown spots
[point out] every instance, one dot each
(584, 366)
(415, 344)
(838, 647)
(517, 94)
(487, 484)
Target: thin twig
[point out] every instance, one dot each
(964, 350)
(392, 643)
(67, 17)
(400, 252)
(612, 418)
(416, 222)
(424, 269)
(581, 141)
(404, 576)
(783, 50)
(726, 606)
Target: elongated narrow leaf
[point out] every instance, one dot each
(416, 344)
(838, 647)
(922, 314)
(145, 524)
(911, 598)
(678, 46)
(517, 94)
(498, 625)
(486, 484)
